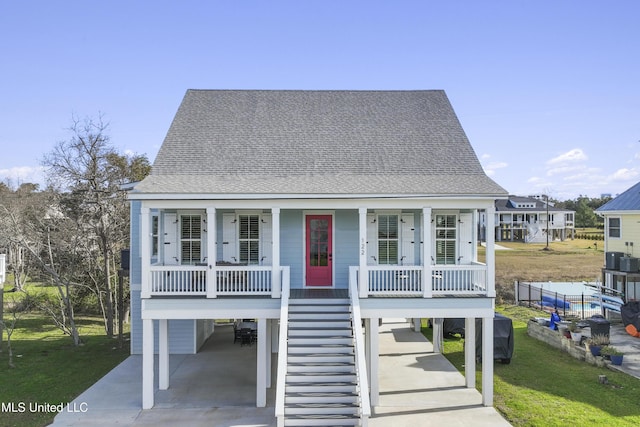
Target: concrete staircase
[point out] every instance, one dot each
(321, 384)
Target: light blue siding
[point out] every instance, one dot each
(292, 245)
(346, 245)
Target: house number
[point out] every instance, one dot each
(362, 247)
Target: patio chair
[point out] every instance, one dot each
(246, 337)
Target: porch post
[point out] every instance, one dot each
(145, 251)
(427, 292)
(212, 254)
(491, 256)
(438, 326)
(363, 274)
(470, 352)
(163, 354)
(487, 361)
(275, 255)
(147, 363)
(374, 351)
(261, 380)
(268, 332)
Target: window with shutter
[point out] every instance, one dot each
(249, 239)
(445, 239)
(387, 239)
(191, 239)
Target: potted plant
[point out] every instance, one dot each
(613, 353)
(576, 332)
(595, 343)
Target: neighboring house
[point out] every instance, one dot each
(258, 201)
(622, 243)
(524, 219)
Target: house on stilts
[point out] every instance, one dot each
(316, 214)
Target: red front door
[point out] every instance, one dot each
(319, 263)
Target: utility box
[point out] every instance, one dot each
(599, 325)
(629, 264)
(612, 260)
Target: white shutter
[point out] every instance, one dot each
(466, 229)
(266, 240)
(372, 239)
(204, 237)
(170, 239)
(229, 238)
(408, 238)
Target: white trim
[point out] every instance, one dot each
(304, 247)
(297, 196)
(454, 203)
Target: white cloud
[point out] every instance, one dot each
(575, 155)
(624, 174)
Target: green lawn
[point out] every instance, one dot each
(49, 369)
(544, 386)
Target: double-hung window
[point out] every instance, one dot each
(445, 239)
(190, 239)
(614, 227)
(249, 239)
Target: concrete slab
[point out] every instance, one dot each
(217, 387)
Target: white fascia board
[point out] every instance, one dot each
(262, 196)
(617, 213)
(218, 308)
(314, 203)
(427, 307)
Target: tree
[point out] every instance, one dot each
(89, 173)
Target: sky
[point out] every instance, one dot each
(547, 91)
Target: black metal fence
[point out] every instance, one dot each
(582, 306)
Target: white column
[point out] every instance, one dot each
(163, 354)
(261, 382)
(438, 324)
(268, 352)
(374, 351)
(417, 324)
(147, 364)
(426, 253)
(487, 361)
(145, 251)
(470, 351)
(363, 273)
(491, 246)
(275, 253)
(212, 253)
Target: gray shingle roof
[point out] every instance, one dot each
(627, 201)
(317, 142)
(505, 205)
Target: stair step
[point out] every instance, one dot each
(329, 332)
(321, 358)
(318, 397)
(324, 388)
(342, 308)
(319, 301)
(320, 349)
(319, 340)
(320, 377)
(319, 323)
(321, 367)
(321, 409)
(327, 421)
(316, 315)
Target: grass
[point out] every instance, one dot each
(568, 261)
(544, 386)
(49, 369)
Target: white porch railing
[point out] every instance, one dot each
(406, 281)
(359, 348)
(189, 280)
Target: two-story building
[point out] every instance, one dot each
(313, 213)
(622, 244)
(529, 220)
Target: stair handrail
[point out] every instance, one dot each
(361, 363)
(282, 348)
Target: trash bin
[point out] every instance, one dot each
(599, 325)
